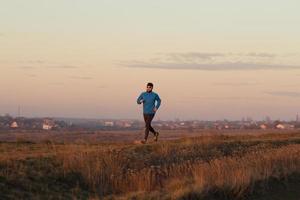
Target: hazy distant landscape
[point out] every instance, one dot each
(215, 82)
(108, 165)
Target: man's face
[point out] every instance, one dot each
(149, 88)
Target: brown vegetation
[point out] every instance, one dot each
(205, 167)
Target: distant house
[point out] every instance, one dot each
(280, 126)
(108, 123)
(14, 125)
(285, 126)
(121, 123)
(48, 124)
(263, 126)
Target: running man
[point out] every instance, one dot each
(148, 99)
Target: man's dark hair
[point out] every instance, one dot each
(150, 84)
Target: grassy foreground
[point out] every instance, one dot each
(265, 166)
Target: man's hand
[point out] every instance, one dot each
(155, 109)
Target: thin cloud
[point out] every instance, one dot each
(234, 83)
(220, 98)
(26, 67)
(41, 66)
(208, 55)
(284, 94)
(213, 61)
(264, 55)
(193, 55)
(34, 61)
(62, 67)
(212, 66)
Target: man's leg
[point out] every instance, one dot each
(151, 129)
(148, 118)
(155, 133)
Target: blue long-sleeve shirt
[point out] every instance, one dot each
(149, 99)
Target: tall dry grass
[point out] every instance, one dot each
(227, 165)
(201, 165)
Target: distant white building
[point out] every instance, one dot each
(263, 126)
(285, 126)
(280, 126)
(47, 126)
(14, 125)
(108, 123)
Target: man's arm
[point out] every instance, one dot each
(158, 101)
(139, 99)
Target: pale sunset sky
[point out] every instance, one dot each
(207, 59)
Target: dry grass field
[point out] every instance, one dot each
(199, 165)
